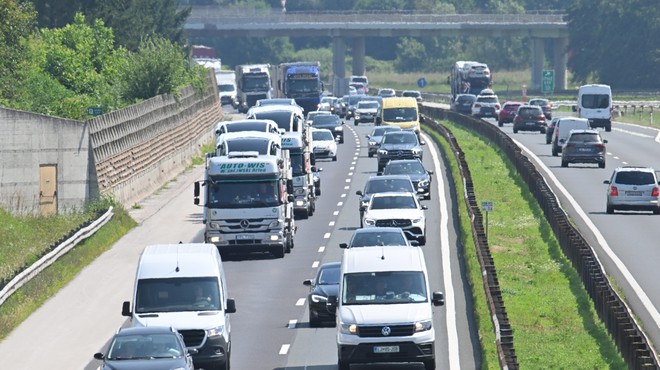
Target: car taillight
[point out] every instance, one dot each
(477, 105)
(655, 192)
(497, 106)
(570, 145)
(600, 146)
(614, 191)
(541, 117)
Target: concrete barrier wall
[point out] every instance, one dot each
(29, 141)
(127, 154)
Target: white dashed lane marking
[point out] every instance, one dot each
(326, 236)
(284, 349)
(315, 264)
(300, 302)
(335, 213)
(321, 249)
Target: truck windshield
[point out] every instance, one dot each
(400, 114)
(177, 294)
(226, 88)
(298, 86)
(389, 287)
(243, 194)
(595, 101)
(256, 83)
(297, 163)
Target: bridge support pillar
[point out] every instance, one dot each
(560, 60)
(358, 56)
(339, 82)
(538, 58)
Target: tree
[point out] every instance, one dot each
(17, 21)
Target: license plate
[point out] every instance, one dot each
(530, 123)
(244, 237)
(584, 150)
(386, 349)
(634, 193)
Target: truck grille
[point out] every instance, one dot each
(394, 331)
(193, 338)
(252, 99)
(393, 223)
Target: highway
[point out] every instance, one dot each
(625, 242)
(270, 328)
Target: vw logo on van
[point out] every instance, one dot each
(386, 331)
(245, 224)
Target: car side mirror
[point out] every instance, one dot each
(429, 172)
(314, 169)
(359, 192)
(422, 142)
(290, 198)
(604, 141)
(574, 108)
(99, 356)
(608, 181)
(193, 351)
(343, 245)
(307, 282)
(231, 306)
(425, 207)
(561, 141)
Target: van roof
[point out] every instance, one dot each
(385, 258)
(192, 259)
(400, 101)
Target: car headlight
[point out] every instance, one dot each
(417, 220)
(275, 224)
(364, 203)
(319, 298)
(382, 152)
(214, 225)
(369, 221)
(417, 151)
(339, 128)
(423, 183)
(215, 332)
(423, 325)
(348, 329)
(372, 143)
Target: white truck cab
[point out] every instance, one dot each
(384, 307)
(184, 286)
(265, 143)
(595, 104)
(261, 125)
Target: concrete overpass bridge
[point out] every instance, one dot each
(344, 28)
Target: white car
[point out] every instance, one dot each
(486, 106)
(324, 144)
(366, 111)
(397, 209)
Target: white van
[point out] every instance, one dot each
(384, 311)
(563, 128)
(184, 286)
(595, 104)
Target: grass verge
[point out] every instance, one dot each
(554, 322)
(33, 294)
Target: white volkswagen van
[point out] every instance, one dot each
(184, 286)
(384, 307)
(595, 104)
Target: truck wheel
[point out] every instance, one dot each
(355, 122)
(608, 128)
(287, 244)
(317, 191)
(311, 209)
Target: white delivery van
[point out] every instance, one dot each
(563, 128)
(595, 104)
(384, 307)
(184, 286)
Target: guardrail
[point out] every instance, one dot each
(46, 260)
(611, 309)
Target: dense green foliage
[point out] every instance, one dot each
(17, 21)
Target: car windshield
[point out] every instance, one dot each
(584, 138)
(380, 186)
(412, 94)
(249, 144)
(529, 112)
(634, 178)
(368, 104)
(247, 126)
(541, 102)
(322, 136)
(380, 131)
(177, 294)
(393, 202)
(407, 168)
(377, 238)
(400, 138)
(242, 194)
(133, 347)
(390, 287)
(325, 120)
(328, 276)
(282, 118)
(466, 99)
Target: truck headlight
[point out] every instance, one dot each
(300, 203)
(423, 325)
(215, 332)
(319, 298)
(348, 329)
(369, 221)
(215, 239)
(273, 237)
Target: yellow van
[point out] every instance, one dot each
(399, 111)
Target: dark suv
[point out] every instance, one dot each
(399, 145)
(331, 122)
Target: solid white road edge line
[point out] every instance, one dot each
(655, 315)
(450, 302)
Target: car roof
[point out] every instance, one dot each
(145, 330)
(179, 260)
(392, 194)
(388, 177)
(383, 258)
(584, 131)
(634, 168)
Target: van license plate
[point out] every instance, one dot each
(244, 237)
(386, 349)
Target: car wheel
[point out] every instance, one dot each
(500, 123)
(317, 191)
(313, 322)
(341, 141)
(278, 252)
(610, 209)
(564, 163)
(548, 141)
(428, 196)
(515, 130)
(422, 240)
(371, 155)
(429, 364)
(355, 122)
(601, 165)
(343, 365)
(334, 159)
(554, 151)
(656, 211)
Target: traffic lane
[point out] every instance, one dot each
(268, 291)
(612, 236)
(325, 338)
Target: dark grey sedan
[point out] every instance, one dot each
(326, 284)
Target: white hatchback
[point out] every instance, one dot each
(324, 144)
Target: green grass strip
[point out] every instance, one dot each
(554, 322)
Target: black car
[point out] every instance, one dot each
(383, 184)
(376, 136)
(413, 168)
(463, 103)
(146, 347)
(324, 285)
(550, 130)
(351, 104)
(331, 122)
(399, 145)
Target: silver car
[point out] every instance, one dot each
(633, 188)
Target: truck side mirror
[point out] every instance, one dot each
(196, 193)
(312, 158)
(289, 186)
(574, 108)
(438, 299)
(126, 309)
(231, 306)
